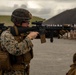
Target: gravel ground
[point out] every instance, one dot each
(52, 58)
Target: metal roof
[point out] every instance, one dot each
(66, 17)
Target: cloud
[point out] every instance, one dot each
(42, 8)
(15, 6)
(23, 6)
(64, 0)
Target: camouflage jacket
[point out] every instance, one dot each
(14, 47)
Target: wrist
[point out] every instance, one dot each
(30, 38)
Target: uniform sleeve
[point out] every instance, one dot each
(12, 46)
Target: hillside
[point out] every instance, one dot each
(6, 20)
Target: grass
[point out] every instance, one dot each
(7, 20)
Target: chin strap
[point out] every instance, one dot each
(16, 30)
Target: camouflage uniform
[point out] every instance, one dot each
(14, 47)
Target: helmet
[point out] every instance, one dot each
(20, 15)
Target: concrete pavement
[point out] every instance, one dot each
(52, 58)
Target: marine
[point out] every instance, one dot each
(17, 51)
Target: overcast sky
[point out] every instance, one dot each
(41, 8)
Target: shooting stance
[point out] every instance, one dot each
(16, 51)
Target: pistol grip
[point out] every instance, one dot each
(43, 38)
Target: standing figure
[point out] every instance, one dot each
(18, 49)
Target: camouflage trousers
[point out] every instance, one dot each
(16, 72)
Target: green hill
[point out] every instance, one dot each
(6, 20)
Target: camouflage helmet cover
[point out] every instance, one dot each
(20, 15)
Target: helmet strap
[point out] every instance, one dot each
(16, 30)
